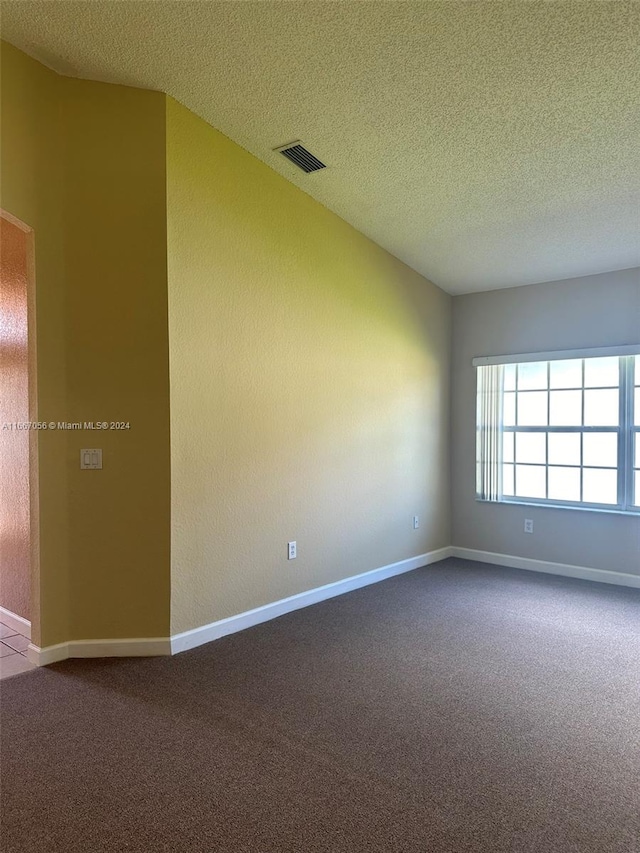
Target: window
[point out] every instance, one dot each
(560, 429)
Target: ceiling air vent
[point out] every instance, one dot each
(298, 154)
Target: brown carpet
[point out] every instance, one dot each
(458, 708)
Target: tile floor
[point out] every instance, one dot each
(13, 650)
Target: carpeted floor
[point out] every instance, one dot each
(453, 709)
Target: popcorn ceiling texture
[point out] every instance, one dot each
(485, 144)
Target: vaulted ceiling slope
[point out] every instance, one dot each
(486, 144)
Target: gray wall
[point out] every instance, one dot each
(594, 311)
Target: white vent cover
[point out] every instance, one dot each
(298, 154)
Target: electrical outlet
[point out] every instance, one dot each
(416, 522)
(528, 525)
(293, 551)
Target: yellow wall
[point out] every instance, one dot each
(309, 387)
(309, 369)
(83, 164)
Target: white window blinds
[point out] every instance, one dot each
(489, 431)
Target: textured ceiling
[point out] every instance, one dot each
(485, 144)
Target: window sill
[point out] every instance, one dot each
(547, 505)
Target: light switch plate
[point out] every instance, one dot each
(91, 459)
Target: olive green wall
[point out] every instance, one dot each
(117, 366)
(31, 190)
(83, 164)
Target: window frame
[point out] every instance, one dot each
(627, 468)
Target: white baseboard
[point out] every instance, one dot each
(18, 623)
(49, 654)
(206, 633)
(142, 647)
(148, 647)
(582, 572)
(137, 647)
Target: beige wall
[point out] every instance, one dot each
(309, 388)
(595, 311)
(83, 164)
(15, 540)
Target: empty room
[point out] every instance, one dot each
(320, 426)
